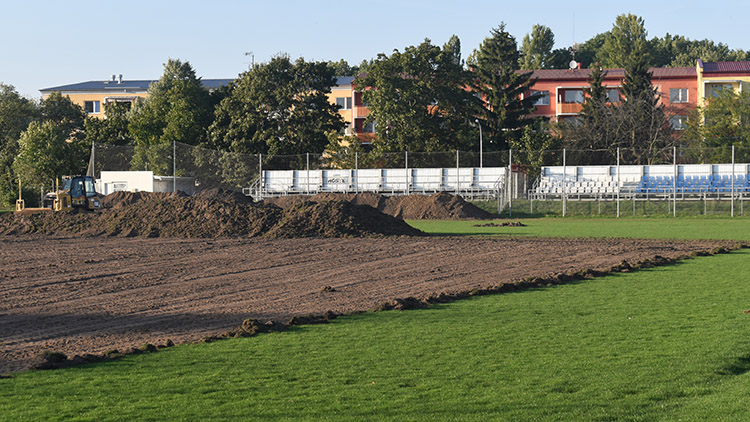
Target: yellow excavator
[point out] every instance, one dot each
(77, 194)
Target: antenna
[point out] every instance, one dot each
(252, 59)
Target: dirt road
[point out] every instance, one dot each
(91, 295)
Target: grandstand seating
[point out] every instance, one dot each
(602, 181)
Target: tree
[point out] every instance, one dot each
(503, 109)
(533, 144)
(113, 130)
(178, 109)
(418, 99)
(536, 48)
(16, 113)
(722, 123)
(46, 153)
(63, 112)
(626, 42)
(342, 68)
(278, 107)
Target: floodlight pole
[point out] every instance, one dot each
(564, 196)
(732, 180)
(674, 182)
(174, 166)
(481, 158)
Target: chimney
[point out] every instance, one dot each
(119, 78)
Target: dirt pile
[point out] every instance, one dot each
(213, 213)
(440, 206)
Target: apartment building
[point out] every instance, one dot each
(564, 91)
(92, 96)
(681, 89)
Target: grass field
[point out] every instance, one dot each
(650, 228)
(668, 343)
(651, 208)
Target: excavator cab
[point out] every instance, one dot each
(77, 193)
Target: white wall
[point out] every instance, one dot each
(129, 181)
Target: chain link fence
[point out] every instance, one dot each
(564, 182)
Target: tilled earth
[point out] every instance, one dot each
(91, 295)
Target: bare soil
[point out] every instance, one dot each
(80, 295)
(439, 206)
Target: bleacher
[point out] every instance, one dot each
(591, 182)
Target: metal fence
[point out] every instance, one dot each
(617, 182)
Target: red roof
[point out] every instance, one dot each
(585, 74)
(726, 67)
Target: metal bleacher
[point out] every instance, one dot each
(601, 182)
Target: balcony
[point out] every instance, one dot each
(569, 108)
(360, 111)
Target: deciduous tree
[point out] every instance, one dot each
(280, 107)
(536, 48)
(419, 99)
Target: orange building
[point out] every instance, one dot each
(565, 90)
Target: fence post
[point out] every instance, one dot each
(510, 183)
(307, 185)
(618, 182)
(564, 182)
(732, 180)
(458, 180)
(260, 176)
(406, 161)
(356, 171)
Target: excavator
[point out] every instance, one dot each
(77, 194)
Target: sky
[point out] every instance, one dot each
(51, 43)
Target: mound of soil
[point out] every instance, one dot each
(213, 213)
(440, 206)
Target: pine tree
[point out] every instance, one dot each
(504, 106)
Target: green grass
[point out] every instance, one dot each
(659, 228)
(642, 208)
(667, 343)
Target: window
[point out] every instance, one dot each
(92, 107)
(119, 186)
(543, 98)
(678, 95)
(716, 89)
(573, 96)
(344, 103)
(678, 122)
(370, 127)
(613, 95)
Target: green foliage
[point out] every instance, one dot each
(625, 43)
(178, 109)
(536, 49)
(534, 143)
(114, 129)
(342, 68)
(278, 107)
(586, 53)
(63, 112)
(16, 113)
(46, 154)
(418, 99)
(495, 78)
(723, 122)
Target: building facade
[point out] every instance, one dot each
(564, 91)
(680, 89)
